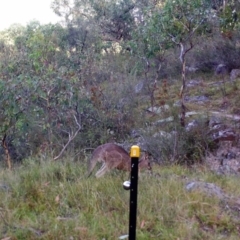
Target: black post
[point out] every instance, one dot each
(133, 193)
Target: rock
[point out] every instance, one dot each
(4, 187)
(209, 188)
(230, 155)
(162, 134)
(159, 110)
(234, 117)
(225, 135)
(221, 132)
(225, 160)
(165, 120)
(191, 69)
(235, 73)
(214, 121)
(138, 88)
(199, 99)
(135, 133)
(221, 69)
(191, 125)
(194, 83)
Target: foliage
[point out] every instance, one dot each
(115, 19)
(181, 21)
(173, 144)
(182, 18)
(45, 77)
(228, 14)
(96, 71)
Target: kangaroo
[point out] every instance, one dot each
(113, 156)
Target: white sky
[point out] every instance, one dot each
(23, 11)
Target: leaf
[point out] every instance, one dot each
(46, 184)
(142, 224)
(81, 229)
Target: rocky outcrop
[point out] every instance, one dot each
(221, 69)
(235, 73)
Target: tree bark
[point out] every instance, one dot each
(5, 147)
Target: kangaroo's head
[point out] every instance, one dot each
(144, 162)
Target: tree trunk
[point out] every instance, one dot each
(182, 91)
(5, 147)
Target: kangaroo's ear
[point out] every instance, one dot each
(149, 166)
(145, 155)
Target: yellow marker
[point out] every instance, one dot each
(135, 151)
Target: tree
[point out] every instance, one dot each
(111, 20)
(228, 14)
(148, 43)
(181, 21)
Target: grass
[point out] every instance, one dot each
(53, 200)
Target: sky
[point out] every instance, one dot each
(23, 11)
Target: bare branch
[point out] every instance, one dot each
(71, 136)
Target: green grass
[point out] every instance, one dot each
(54, 200)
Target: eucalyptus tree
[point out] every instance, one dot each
(162, 25)
(94, 28)
(113, 17)
(181, 21)
(148, 44)
(228, 13)
(35, 94)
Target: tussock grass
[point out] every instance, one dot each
(54, 200)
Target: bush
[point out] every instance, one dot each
(175, 144)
